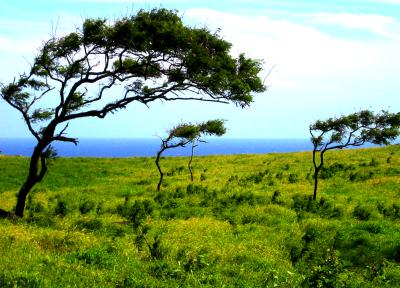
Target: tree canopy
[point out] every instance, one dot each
(152, 55)
(351, 130)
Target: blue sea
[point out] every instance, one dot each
(149, 147)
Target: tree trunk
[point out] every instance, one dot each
(159, 169)
(22, 194)
(190, 163)
(315, 183)
(30, 181)
(317, 168)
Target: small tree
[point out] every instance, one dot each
(211, 127)
(353, 130)
(186, 133)
(152, 54)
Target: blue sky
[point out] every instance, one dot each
(327, 58)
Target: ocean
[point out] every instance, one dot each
(149, 147)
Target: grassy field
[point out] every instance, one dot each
(246, 221)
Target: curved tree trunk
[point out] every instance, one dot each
(22, 194)
(159, 169)
(190, 163)
(35, 175)
(317, 168)
(315, 183)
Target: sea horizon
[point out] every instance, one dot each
(148, 147)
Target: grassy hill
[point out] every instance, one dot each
(246, 221)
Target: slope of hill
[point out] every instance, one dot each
(245, 221)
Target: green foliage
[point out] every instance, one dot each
(61, 208)
(362, 212)
(352, 130)
(214, 233)
(87, 206)
(28, 281)
(137, 212)
(71, 75)
(327, 273)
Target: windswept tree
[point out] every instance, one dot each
(152, 55)
(186, 133)
(209, 128)
(351, 131)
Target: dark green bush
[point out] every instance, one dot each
(391, 211)
(34, 207)
(293, 178)
(86, 206)
(61, 208)
(11, 281)
(136, 212)
(323, 207)
(195, 189)
(164, 270)
(362, 212)
(360, 176)
(103, 257)
(196, 261)
(41, 220)
(91, 224)
(326, 274)
(276, 197)
(330, 171)
(373, 163)
(179, 193)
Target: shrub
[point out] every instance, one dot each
(293, 178)
(392, 211)
(195, 189)
(361, 176)
(91, 224)
(373, 163)
(362, 212)
(35, 207)
(331, 171)
(195, 261)
(137, 212)
(61, 208)
(327, 273)
(28, 281)
(97, 256)
(305, 203)
(86, 206)
(163, 269)
(276, 197)
(41, 220)
(156, 248)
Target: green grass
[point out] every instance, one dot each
(246, 221)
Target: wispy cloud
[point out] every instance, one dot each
(384, 26)
(311, 62)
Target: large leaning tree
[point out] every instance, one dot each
(185, 133)
(152, 55)
(351, 131)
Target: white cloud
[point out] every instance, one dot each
(384, 26)
(387, 1)
(317, 74)
(300, 52)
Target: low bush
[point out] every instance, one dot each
(86, 206)
(362, 212)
